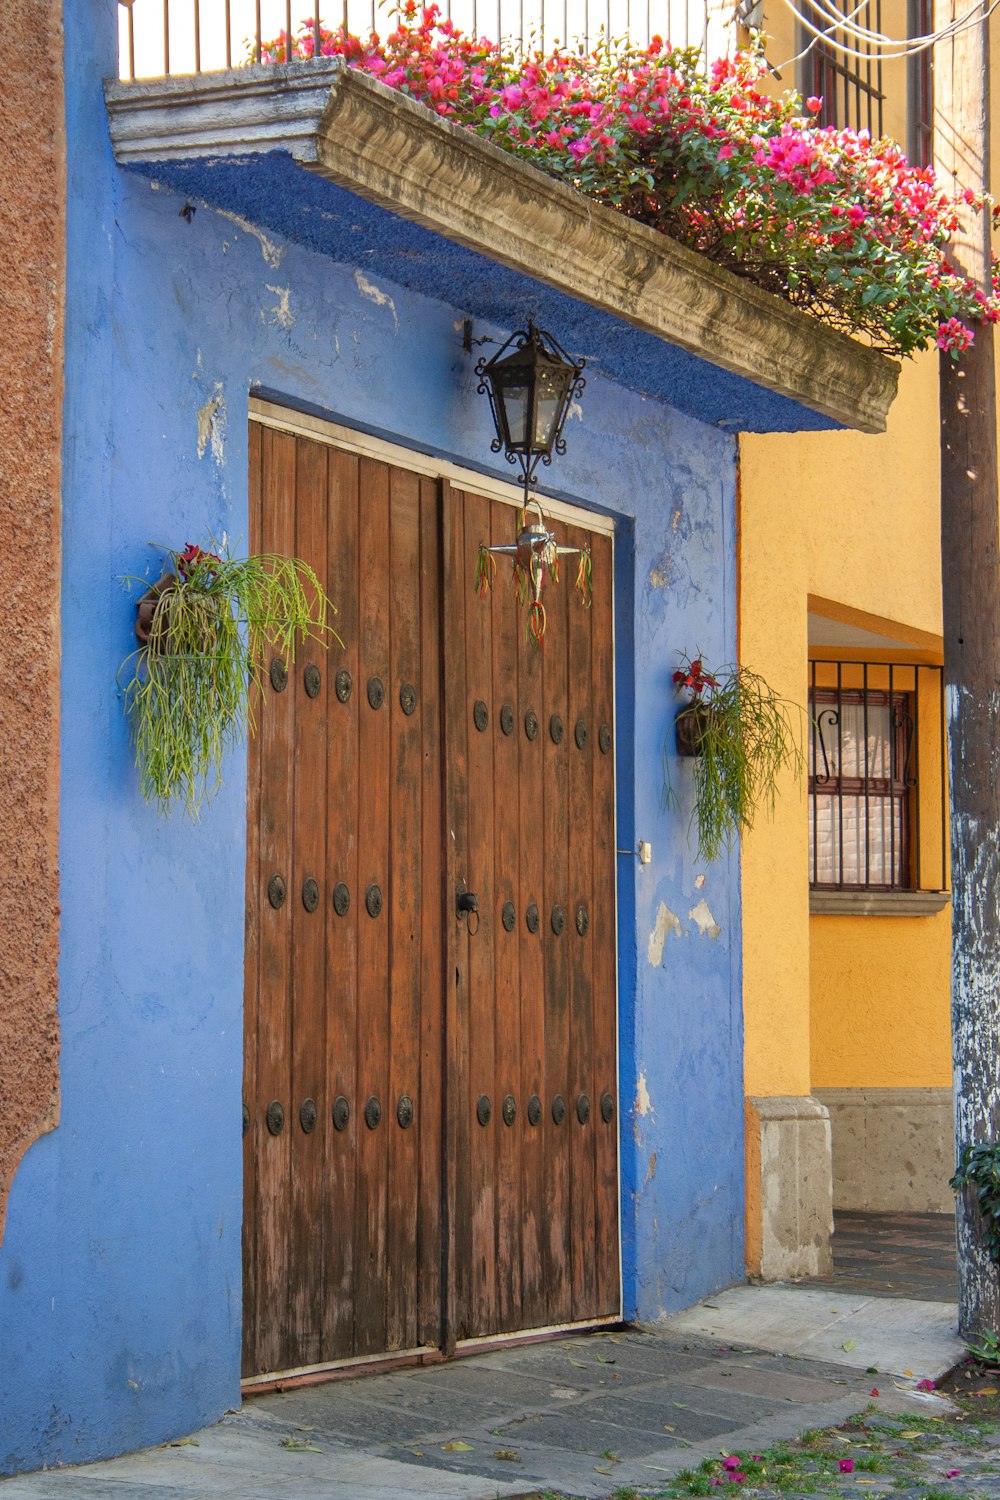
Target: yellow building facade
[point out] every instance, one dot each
(847, 956)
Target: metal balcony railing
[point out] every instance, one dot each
(161, 37)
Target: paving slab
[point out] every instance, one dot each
(895, 1335)
(581, 1415)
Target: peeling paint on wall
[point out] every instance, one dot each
(212, 426)
(281, 313)
(375, 294)
(643, 1103)
(702, 917)
(666, 921)
(651, 1167)
(273, 254)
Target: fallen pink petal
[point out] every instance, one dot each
(952, 1473)
(847, 1466)
(926, 1385)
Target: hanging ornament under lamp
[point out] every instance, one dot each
(531, 382)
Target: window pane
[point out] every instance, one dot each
(875, 827)
(842, 736)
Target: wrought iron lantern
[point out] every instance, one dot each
(530, 382)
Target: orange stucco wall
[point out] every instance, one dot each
(31, 313)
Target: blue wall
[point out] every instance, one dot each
(120, 1271)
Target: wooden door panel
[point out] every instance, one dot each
(342, 773)
(509, 1070)
(526, 1193)
(273, 1031)
(603, 928)
(308, 1098)
(412, 1196)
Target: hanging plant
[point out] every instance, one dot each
(536, 557)
(741, 735)
(208, 628)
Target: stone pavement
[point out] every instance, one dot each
(582, 1415)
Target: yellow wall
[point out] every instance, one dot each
(837, 1001)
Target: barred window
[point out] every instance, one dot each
(877, 783)
(859, 784)
(850, 87)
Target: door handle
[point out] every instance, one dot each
(467, 905)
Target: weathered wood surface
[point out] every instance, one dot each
(388, 1236)
(970, 546)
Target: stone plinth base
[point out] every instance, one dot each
(789, 1188)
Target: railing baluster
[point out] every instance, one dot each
(913, 780)
(868, 823)
(131, 42)
(840, 767)
(257, 34)
(229, 34)
(197, 36)
(166, 38)
(942, 715)
(892, 781)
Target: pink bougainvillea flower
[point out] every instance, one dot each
(846, 1465)
(873, 1391)
(730, 1462)
(952, 1473)
(928, 1385)
(839, 224)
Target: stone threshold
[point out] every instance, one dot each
(382, 146)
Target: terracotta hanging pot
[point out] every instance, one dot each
(146, 608)
(692, 721)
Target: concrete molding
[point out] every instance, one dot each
(877, 903)
(893, 1149)
(384, 147)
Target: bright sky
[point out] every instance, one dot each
(681, 20)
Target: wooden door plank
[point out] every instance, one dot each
(342, 930)
(404, 902)
(481, 1162)
(274, 1021)
(373, 931)
(251, 961)
(580, 741)
(433, 911)
(531, 882)
(508, 1071)
(556, 955)
(602, 928)
(457, 1109)
(306, 1268)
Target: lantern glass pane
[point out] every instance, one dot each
(516, 400)
(549, 399)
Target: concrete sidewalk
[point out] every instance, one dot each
(582, 1415)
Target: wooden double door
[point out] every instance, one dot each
(430, 1102)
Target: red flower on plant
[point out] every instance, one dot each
(193, 557)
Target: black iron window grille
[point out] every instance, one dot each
(850, 87)
(920, 87)
(877, 789)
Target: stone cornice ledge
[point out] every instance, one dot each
(836, 903)
(379, 144)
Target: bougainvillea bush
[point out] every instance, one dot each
(836, 223)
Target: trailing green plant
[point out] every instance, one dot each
(742, 735)
(979, 1169)
(209, 628)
